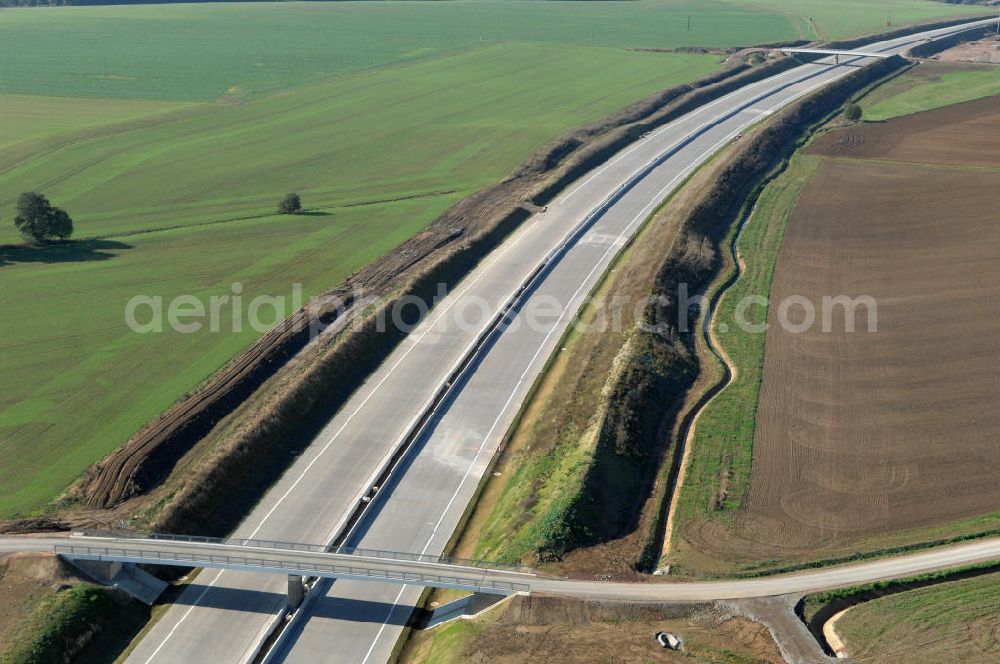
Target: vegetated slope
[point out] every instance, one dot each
(583, 477)
(950, 623)
(871, 439)
(380, 155)
(931, 85)
(47, 614)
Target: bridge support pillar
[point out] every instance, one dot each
(296, 591)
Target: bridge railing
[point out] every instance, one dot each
(287, 566)
(312, 548)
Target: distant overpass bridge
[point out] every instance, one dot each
(837, 54)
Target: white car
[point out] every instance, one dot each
(667, 640)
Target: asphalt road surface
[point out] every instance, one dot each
(657, 589)
(225, 615)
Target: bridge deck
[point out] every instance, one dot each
(298, 562)
(830, 51)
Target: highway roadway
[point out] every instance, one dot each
(270, 560)
(225, 615)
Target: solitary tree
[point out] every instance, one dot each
(290, 204)
(38, 220)
(852, 112)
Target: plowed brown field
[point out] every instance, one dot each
(865, 433)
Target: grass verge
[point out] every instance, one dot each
(82, 623)
(952, 621)
(721, 450)
(931, 85)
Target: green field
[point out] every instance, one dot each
(264, 47)
(957, 621)
(170, 131)
(185, 206)
(836, 19)
(122, 50)
(931, 85)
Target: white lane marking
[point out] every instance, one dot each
(375, 389)
(691, 115)
(184, 617)
(341, 429)
(625, 233)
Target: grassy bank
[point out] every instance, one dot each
(951, 618)
(931, 85)
(578, 463)
(82, 623)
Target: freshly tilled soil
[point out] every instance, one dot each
(862, 433)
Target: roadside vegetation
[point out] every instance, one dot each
(49, 615)
(582, 458)
(722, 447)
(59, 622)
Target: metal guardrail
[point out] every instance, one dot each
(313, 548)
(287, 566)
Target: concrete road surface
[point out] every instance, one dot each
(225, 615)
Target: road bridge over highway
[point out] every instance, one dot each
(480, 576)
(297, 561)
(837, 54)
